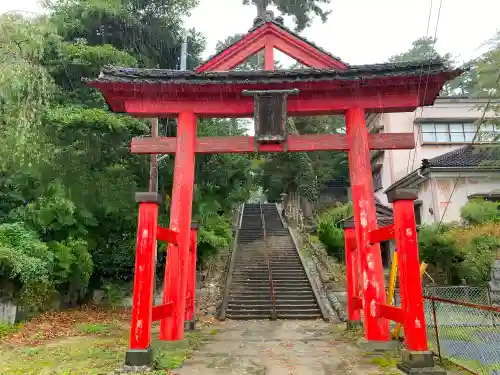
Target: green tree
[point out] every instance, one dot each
(422, 50)
(149, 30)
(303, 11)
(25, 90)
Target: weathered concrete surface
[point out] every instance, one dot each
(280, 348)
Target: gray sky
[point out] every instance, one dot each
(358, 31)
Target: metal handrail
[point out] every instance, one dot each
(274, 314)
(230, 270)
(240, 218)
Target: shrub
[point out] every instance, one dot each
(478, 245)
(26, 262)
(330, 231)
(480, 211)
(461, 252)
(7, 329)
(439, 249)
(114, 293)
(37, 269)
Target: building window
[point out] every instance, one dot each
(418, 212)
(377, 179)
(458, 132)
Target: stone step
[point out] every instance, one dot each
(301, 309)
(249, 293)
(307, 301)
(257, 287)
(290, 283)
(238, 316)
(289, 270)
(249, 298)
(250, 275)
(316, 315)
(250, 308)
(253, 283)
(294, 291)
(248, 301)
(239, 276)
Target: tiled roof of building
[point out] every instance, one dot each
(384, 216)
(482, 156)
(469, 157)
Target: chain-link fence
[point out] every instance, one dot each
(462, 326)
(467, 334)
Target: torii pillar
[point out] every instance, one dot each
(365, 218)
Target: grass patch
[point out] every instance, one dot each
(100, 349)
(8, 329)
(472, 334)
(95, 329)
(386, 361)
(474, 366)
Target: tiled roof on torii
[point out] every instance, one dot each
(392, 87)
(285, 40)
(327, 86)
(110, 74)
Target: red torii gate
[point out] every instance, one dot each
(329, 86)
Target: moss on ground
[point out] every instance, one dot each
(95, 349)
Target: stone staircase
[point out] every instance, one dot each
(250, 293)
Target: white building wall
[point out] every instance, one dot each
(434, 192)
(473, 183)
(425, 194)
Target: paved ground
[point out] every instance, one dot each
(280, 348)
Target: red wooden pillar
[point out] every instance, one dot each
(140, 352)
(409, 268)
(269, 57)
(172, 328)
(352, 270)
(191, 286)
(372, 274)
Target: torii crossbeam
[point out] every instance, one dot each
(328, 86)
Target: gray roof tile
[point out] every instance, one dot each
(355, 72)
(477, 156)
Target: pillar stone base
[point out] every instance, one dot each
(190, 325)
(419, 363)
(139, 358)
(354, 325)
(378, 346)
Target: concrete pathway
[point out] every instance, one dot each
(280, 348)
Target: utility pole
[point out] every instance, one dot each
(183, 66)
(153, 170)
(184, 50)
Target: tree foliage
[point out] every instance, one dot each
(329, 226)
(464, 251)
(67, 176)
(422, 50)
(149, 30)
(302, 172)
(303, 11)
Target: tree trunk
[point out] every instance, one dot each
(261, 7)
(261, 11)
